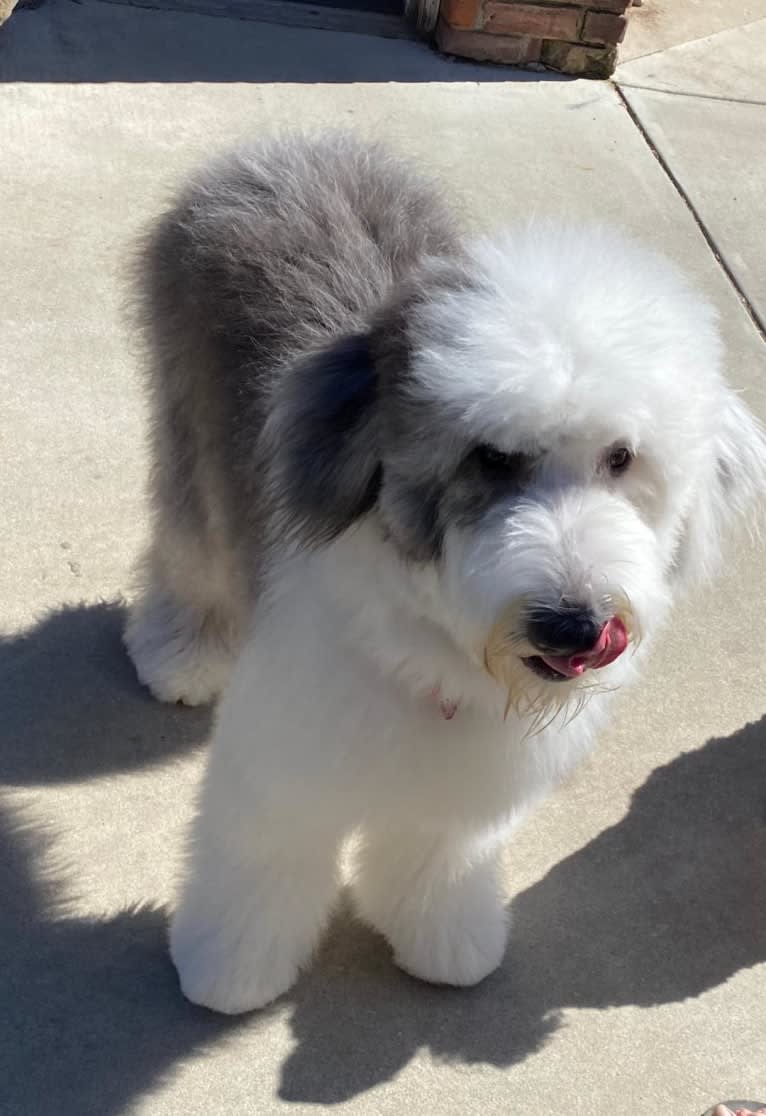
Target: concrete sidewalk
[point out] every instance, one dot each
(636, 974)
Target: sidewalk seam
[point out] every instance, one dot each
(688, 93)
(752, 314)
(690, 42)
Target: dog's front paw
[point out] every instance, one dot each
(227, 976)
(461, 953)
(459, 938)
(223, 985)
(443, 914)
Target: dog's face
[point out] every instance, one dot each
(543, 428)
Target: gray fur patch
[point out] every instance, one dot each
(250, 291)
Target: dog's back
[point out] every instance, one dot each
(264, 257)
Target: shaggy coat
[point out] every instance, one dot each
(420, 504)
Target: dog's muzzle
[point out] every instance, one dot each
(572, 641)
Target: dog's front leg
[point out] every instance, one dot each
(251, 911)
(260, 882)
(438, 900)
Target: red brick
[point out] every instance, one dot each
(600, 27)
(509, 49)
(461, 13)
(540, 21)
(584, 61)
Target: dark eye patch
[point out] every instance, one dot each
(419, 512)
(497, 465)
(486, 477)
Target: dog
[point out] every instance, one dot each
(420, 504)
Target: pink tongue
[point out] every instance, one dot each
(610, 644)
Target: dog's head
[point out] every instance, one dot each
(543, 426)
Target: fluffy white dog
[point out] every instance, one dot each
(421, 498)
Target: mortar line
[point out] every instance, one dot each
(752, 314)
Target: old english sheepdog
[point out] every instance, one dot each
(420, 504)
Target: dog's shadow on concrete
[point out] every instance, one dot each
(92, 1014)
(72, 707)
(657, 908)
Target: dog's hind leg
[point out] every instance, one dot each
(194, 593)
(185, 626)
(184, 629)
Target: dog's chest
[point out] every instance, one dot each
(466, 770)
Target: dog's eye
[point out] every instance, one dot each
(618, 460)
(496, 463)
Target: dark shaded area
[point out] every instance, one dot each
(73, 707)
(92, 1012)
(660, 907)
(92, 41)
(358, 1020)
(388, 7)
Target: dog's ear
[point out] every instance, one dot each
(734, 494)
(323, 442)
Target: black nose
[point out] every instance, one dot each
(563, 631)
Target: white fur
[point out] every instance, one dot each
(314, 742)
(334, 720)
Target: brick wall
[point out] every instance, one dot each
(576, 37)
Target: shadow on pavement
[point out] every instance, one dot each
(92, 1011)
(92, 1014)
(74, 41)
(73, 707)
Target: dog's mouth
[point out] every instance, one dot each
(612, 641)
(540, 667)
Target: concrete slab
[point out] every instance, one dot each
(729, 65)
(703, 106)
(638, 957)
(723, 180)
(661, 24)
